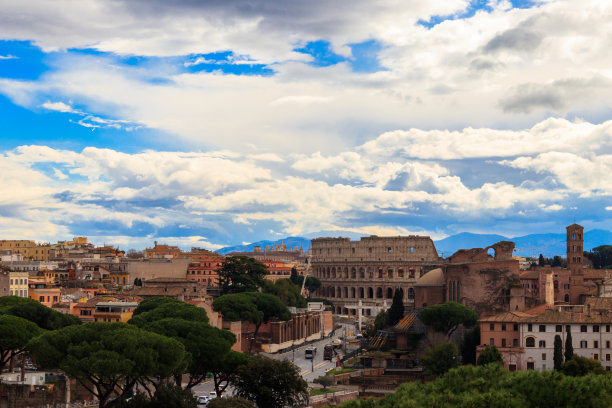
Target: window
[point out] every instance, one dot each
(568, 328)
(566, 286)
(492, 326)
(542, 344)
(595, 344)
(515, 342)
(583, 344)
(503, 326)
(607, 343)
(607, 357)
(492, 341)
(530, 342)
(607, 328)
(543, 356)
(542, 328)
(558, 328)
(503, 343)
(515, 327)
(583, 328)
(529, 327)
(595, 328)
(595, 356)
(530, 365)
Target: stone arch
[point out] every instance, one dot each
(379, 293)
(328, 273)
(390, 273)
(389, 293)
(353, 293)
(346, 273)
(338, 292)
(400, 272)
(370, 293)
(353, 273)
(361, 273)
(380, 273)
(410, 294)
(370, 272)
(530, 342)
(333, 272)
(361, 293)
(345, 292)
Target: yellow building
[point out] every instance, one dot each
(18, 284)
(114, 311)
(30, 250)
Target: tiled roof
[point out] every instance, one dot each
(530, 274)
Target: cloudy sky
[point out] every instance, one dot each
(210, 123)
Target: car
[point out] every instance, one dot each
(212, 395)
(203, 400)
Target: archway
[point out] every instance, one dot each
(389, 293)
(379, 293)
(370, 293)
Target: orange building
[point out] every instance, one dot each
(206, 271)
(163, 251)
(277, 270)
(43, 293)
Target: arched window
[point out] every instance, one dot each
(530, 342)
(410, 294)
(338, 292)
(361, 273)
(352, 292)
(389, 293)
(353, 273)
(370, 293)
(379, 293)
(333, 272)
(345, 292)
(361, 293)
(390, 273)
(566, 298)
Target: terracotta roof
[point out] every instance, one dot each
(507, 317)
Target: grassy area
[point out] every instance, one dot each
(342, 371)
(319, 391)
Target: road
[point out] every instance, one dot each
(320, 365)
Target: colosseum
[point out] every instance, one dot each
(370, 270)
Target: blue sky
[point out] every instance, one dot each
(213, 124)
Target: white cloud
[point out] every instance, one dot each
(8, 57)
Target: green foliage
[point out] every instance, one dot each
(15, 333)
(396, 311)
(440, 358)
(324, 380)
(254, 307)
(241, 274)
(108, 357)
(471, 340)
(492, 386)
(271, 383)
(558, 353)
(446, 317)
(161, 308)
(601, 256)
(569, 348)
(490, 355)
(382, 320)
(579, 366)
(166, 395)
(226, 368)
(233, 402)
(288, 292)
(311, 284)
(29, 309)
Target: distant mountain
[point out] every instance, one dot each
(531, 245)
(465, 240)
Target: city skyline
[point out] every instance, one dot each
(207, 124)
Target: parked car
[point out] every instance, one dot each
(203, 400)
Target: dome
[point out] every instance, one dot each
(435, 277)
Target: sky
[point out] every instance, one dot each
(215, 123)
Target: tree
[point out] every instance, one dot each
(471, 340)
(108, 358)
(325, 381)
(382, 320)
(440, 358)
(166, 395)
(134, 254)
(558, 354)
(15, 333)
(226, 368)
(311, 285)
(601, 257)
(43, 316)
(254, 307)
(489, 355)
(206, 346)
(569, 348)
(271, 383)
(232, 402)
(152, 310)
(578, 366)
(396, 311)
(241, 274)
(541, 260)
(446, 317)
(288, 292)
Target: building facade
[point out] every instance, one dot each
(370, 270)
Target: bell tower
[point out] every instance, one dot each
(575, 248)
